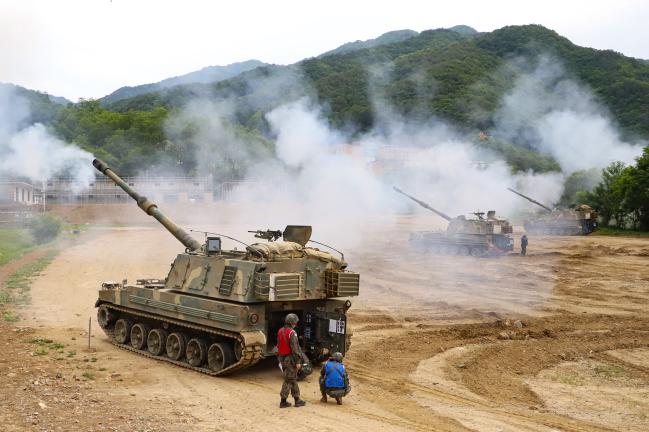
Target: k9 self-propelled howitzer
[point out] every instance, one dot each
(479, 236)
(580, 220)
(218, 311)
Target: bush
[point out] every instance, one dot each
(45, 227)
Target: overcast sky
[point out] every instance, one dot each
(89, 48)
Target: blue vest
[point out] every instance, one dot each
(334, 373)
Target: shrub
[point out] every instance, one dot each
(45, 227)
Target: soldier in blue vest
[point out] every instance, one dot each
(334, 381)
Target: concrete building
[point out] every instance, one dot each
(104, 191)
(18, 192)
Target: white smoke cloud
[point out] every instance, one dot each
(30, 151)
(549, 112)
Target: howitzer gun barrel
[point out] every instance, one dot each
(529, 199)
(423, 204)
(148, 207)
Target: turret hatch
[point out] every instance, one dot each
(299, 234)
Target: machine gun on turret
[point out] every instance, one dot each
(270, 235)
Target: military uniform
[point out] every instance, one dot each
(289, 366)
(290, 355)
(523, 245)
(334, 381)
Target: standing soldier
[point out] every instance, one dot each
(523, 245)
(290, 359)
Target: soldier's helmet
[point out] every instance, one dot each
(291, 319)
(337, 357)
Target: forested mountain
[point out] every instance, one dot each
(209, 74)
(456, 75)
(385, 38)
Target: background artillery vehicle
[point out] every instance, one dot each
(581, 220)
(218, 311)
(478, 237)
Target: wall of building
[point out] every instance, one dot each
(160, 190)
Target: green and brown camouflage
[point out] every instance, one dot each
(483, 235)
(218, 311)
(580, 220)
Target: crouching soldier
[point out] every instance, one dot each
(334, 381)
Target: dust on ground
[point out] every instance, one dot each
(558, 340)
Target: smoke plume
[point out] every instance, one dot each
(548, 111)
(29, 151)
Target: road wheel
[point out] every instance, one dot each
(220, 356)
(176, 345)
(238, 350)
(196, 352)
(122, 330)
(463, 250)
(156, 341)
(105, 317)
(477, 251)
(139, 333)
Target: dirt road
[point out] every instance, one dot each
(436, 345)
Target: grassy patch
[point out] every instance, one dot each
(11, 316)
(47, 343)
(41, 351)
(17, 285)
(41, 341)
(88, 375)
(609, 370)
(609, 231)
(13, 243)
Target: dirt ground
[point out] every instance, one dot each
(557, 340)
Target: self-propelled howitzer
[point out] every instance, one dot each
(482, 236)
(580, 220)
(218, 311)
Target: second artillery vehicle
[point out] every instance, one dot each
(218, 311)
(581, 220)
(481, 236)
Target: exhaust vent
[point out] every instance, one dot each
(341, 284)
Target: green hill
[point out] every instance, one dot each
(457, 75)
(208, 74)
(384, 39)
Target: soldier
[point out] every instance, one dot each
(523, 245)
(290, 359)
(334, 380)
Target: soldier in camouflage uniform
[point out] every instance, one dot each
(334, 381)
(290, 357)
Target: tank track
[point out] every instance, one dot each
(251, 354)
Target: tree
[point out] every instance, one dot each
(608, 196)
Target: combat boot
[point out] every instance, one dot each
(284, 404)
(339, 401)
(323, 398)
(298, 403)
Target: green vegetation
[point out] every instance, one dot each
(41, 351)
(88, 375)
(13, 243)
(11, 316)
(622, 196)
(17, 286)
(457, 75)
(45, 227)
